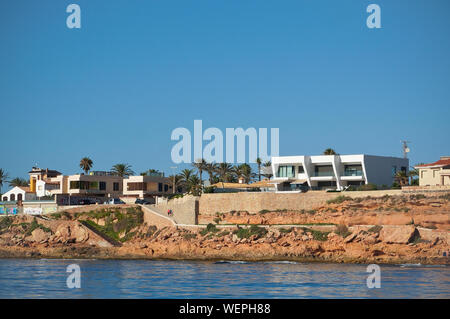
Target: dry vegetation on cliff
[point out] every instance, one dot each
(344, 230)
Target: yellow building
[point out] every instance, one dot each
(435, 174)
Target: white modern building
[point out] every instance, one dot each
(292, 173)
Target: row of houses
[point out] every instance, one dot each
(289, 174)
(98, 185)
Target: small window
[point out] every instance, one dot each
(301, 170)
(116, 187)
(102, 186)
(394, 170)
(160, 187)
(166, 187)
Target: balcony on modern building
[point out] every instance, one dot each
(353, 172)
(323, 173)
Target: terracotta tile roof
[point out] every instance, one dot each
(25, 188)
(440, 163)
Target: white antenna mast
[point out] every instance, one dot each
(406, 149)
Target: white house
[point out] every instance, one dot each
(44, 188)
(291, 173)
(18, 193)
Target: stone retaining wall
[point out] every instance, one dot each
(185, 210)
(254, 202)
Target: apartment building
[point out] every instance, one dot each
(435, 174)
(292, 173)
(97, 184)
(146, 187)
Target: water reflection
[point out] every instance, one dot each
(182, 279)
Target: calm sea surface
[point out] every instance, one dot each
(40, 278)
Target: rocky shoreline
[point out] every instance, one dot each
(120, 233)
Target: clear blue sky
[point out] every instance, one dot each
(115, 89)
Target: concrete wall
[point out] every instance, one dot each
(379, 168)
(255, 202)
(185, 210)
(427, 189)
(151, 218)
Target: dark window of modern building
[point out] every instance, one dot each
(353, 170)
(115, 186)
(403, 169)
(325, 170)
(394, 170)
(301, 170)
(160, 187)
(102, 186)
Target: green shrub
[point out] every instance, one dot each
(317, 234)
(210, 228)
(117, 222)
(342, 231)
(339, 199)
(34, 225)
(375, 229)
(286, 230)
(248, 232)
(417, 196)
(396, 185)
(209, 189)
(367, 187)
(5, 222)
(189, 236)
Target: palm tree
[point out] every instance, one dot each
(122, 170)
(211, 169)
(3, 177)
(200, 164)
(268, 169)
(18, 182)
(185, 176)
(401, 177)
(244, 171)
(414, 172)
(224, 172)
(86, 164)
(176, 181)
(259, 163)
(194, 185)
(329, 151)
(151, 172)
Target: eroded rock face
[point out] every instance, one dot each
(63, 232)
(79, 233)
(71, 234)
(39, 236)
(398, 234)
